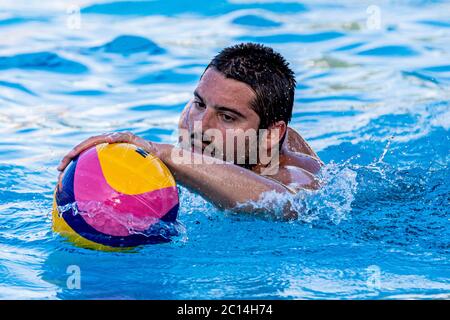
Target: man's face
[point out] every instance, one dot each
(221, 105)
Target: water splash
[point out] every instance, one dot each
(332, 202)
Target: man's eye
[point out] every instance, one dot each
(199, 104)
(227, 118)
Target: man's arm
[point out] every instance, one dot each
(226, 185)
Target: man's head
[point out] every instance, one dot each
(246, 86)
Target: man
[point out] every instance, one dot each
(245, 88)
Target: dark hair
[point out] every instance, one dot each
(267, 73)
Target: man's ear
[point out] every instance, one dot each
(276, 132)
(269, 151)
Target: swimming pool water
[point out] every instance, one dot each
(372, 99)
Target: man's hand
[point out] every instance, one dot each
(116, 137)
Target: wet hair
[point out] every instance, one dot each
(267, 73)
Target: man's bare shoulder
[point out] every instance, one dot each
(294, 142)
(296, 152)
(296, 178)
(300, 160)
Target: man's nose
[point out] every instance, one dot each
(207, 119)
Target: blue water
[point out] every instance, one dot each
(372, 99)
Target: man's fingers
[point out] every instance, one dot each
(80, 148)
(59, 185)
(115, 137)
(64, 162)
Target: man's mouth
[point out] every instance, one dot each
(199, 145)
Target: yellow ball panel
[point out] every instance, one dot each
(121, 160)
